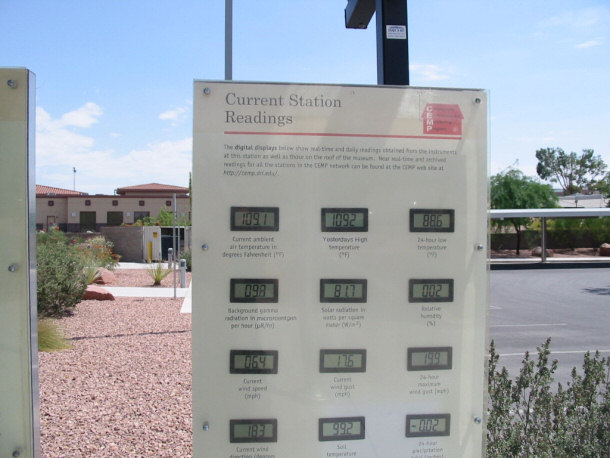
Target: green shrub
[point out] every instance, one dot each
(97, 251)
(527, 417)
(187, 255)
(60, 275)
(50, 338)
(158, 273)
(579, 232)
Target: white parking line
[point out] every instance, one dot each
(526, 325)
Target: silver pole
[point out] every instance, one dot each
(228, 40)
(543, 257)
(174, 244)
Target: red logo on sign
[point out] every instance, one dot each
(442, 119)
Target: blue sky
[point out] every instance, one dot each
(114, 78)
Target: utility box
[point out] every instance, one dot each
(19, 417)
(340, 284)
(152, 238)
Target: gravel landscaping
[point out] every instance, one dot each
(141, 278)
(124, 389)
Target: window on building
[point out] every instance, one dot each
(115, 203)
(140, 215)
(87, 203)
(51, 203)
(87, 221)
(168, 203)
(141, 203)
(114, 218)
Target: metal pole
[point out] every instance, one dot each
(174, 244)
(392, 42)
(543, 243)
(228, 40)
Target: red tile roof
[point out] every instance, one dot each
(153, 187)
(43, 191)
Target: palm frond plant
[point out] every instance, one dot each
(157, 272)
(50, 337)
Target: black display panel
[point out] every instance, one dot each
(254, 290)
(429, 358)
(340, 429)
(253, 362)
(255, 218)
(259, 430)
(428, 425)
(431, 220)
(345, 220)
(343, 290)
(431, 290)
(334, 360)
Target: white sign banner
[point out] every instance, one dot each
(340, 284)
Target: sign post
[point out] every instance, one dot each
(392, 36)
(341, 290)
(19, 430)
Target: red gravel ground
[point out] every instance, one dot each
(141, 278)
(124, 389)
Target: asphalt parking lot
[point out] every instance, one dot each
(572, 306)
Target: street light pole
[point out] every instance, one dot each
(228, 40)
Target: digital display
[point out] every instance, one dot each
(254, 290)
(253, 362)
(431, 290)
(253, 430)
(431, 220)
(429, 358)
(340, 429)
(333, 360)
(255, 218)
(427, 425)
(342, 290)
(345, 220)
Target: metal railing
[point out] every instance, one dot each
(546, 213)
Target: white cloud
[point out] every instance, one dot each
(430, 72)
(59, 148)
(56, 139)
(588, 44)
(175, 115)
(581, 19)
(85, 116)
(167, 162)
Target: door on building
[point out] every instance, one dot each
(87, 221)
(51, 222)
(114, 218)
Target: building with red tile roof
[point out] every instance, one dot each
(75, 211)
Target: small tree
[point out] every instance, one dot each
(61, 279)
(512, 189)
(572, 172)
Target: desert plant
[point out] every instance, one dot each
(528, 418)
(92, 273)
(187, 255)
(158, 273)
(97, 251)
(60, 275)
(50, 337)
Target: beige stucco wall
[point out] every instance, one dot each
(59, 210)
(67, 209)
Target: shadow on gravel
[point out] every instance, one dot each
(158, 333)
